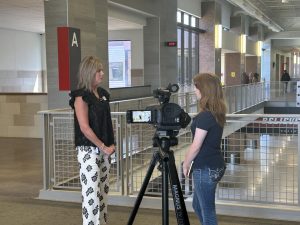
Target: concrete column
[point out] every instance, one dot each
(256, 32)
(168, 32)
(152, 53)
(160, 61)
(259, 67)
(235, 63)
(238, 24)
(209, 57)
(292, 73)
(90, 17)
(297, 65)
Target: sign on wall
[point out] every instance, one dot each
(69, 57)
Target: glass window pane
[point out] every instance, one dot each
(186, 19)
(179, 58)
(193, 21)
(188, 49)
(186, 56)
(194, 54)
(178, 17)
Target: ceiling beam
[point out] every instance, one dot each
(256, 13)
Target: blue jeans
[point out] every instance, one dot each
(205, 184)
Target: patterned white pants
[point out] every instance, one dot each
(94, 179)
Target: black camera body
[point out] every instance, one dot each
(166, 117)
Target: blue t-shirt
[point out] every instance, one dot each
(210, 155)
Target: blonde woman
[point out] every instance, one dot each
(94, 139)
(204, 152)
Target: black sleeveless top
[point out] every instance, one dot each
(99, 117)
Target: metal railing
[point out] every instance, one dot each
(238, 97)
(261, 152)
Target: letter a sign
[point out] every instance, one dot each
(69, 57)
(74, 40)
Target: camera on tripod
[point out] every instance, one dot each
(168, 118)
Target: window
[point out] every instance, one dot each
(119, 54)
(193, 21)
(188, 47)
(178, 17)
(186, 19)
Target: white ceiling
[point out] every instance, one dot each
(26, 15)
(287, 15)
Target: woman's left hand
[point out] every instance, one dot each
(109, 150)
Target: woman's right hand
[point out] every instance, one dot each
(185, 167)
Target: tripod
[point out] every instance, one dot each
(167, 164)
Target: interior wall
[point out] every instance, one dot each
(232, 69)
(137, 52)
(251, 64)
(19, 114)
(137, 48)
(21, 61)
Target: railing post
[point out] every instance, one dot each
(187, 102)
(46, 150)
(128, 167)
(119, 155)
(298, 188)
(240, 96)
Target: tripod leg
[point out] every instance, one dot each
(165, 193)
(138, 201)
(179, 205)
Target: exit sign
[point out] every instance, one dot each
(171, 43)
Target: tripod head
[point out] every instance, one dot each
(165, 139)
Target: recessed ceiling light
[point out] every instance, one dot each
(284, 1)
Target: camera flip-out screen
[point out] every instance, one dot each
(139, 116)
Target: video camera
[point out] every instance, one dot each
(167, 117)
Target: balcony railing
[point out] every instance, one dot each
(261, 153)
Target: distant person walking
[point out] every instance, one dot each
(255, 78)
(285, 78)
(245, 78)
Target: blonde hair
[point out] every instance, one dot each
(212, 98)
(88, 67)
